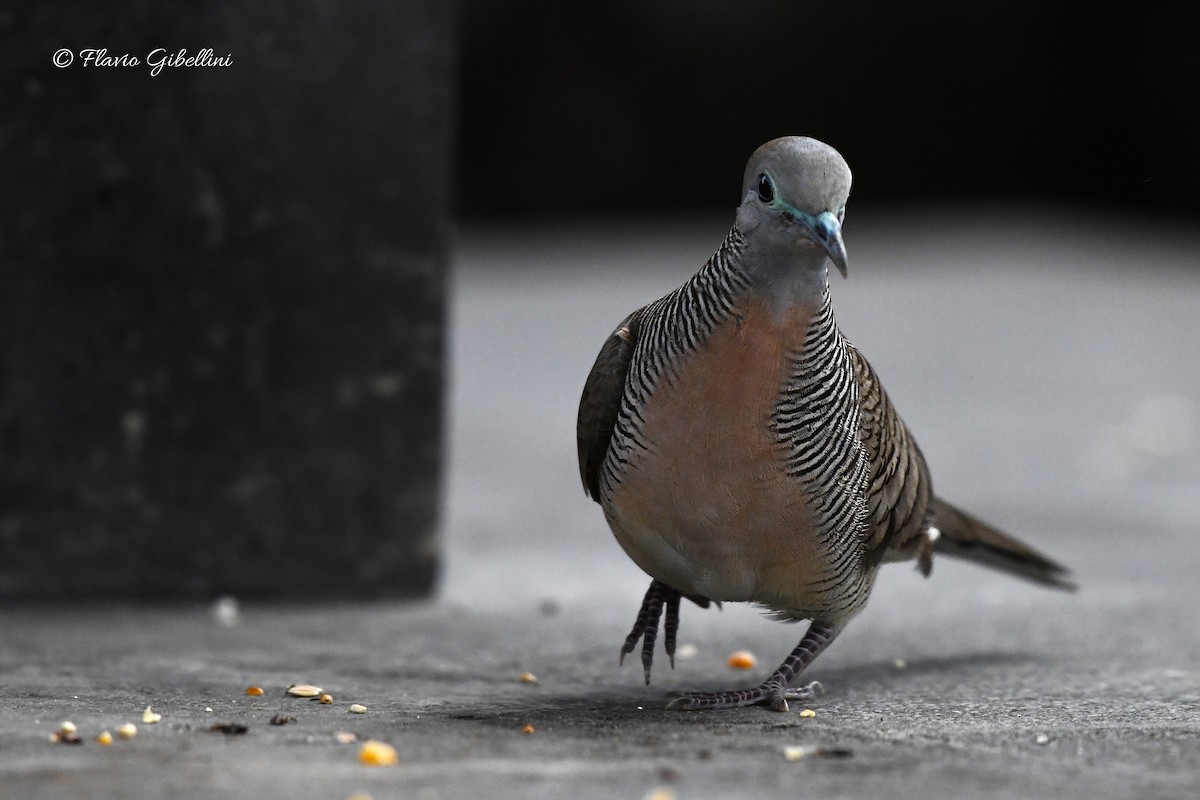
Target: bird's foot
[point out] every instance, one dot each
(658, 596)
(771, 693)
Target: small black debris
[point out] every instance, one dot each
(833, 752)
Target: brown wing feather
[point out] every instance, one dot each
(601, 402)
(900, 488)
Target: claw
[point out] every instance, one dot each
(682, 703)
(814, 689)
(658, 596)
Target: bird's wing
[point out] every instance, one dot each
(899, 490)
(601, 401)
(900, 501)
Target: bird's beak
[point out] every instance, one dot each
(828, 232)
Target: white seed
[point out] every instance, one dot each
(127, 731)
(794, 752)
(149, 717)
(305, 690)
(357, 708)
(225, 611)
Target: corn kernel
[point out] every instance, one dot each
(377, 754)
(742, 659)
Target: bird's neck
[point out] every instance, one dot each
(789, 280)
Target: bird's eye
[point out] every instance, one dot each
(766, 189)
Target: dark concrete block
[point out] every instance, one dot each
(221, 320)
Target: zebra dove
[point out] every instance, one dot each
(743, 450)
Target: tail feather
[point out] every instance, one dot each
(964, 536)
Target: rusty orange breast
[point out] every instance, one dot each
(707, 506)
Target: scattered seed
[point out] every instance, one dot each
(254, 691)
(225, 611)
(105, 738)
(377, 754)
(127, 731)
(793, 752)
(326, 700)
(305, 690)
(357, 708)
(281, 719)
(686, 651)
(899, 663)
(742, 659)
(808, 712)
(345, 737)
(149, 717)
(66, 734)
(528, 677)
(528, 728)
(360, 796)
(1042, 739)
(228, 728)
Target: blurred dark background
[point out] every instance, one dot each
(627, 106)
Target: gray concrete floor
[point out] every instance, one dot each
(1046, 362)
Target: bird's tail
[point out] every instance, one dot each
(964, 536)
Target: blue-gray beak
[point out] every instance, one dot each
(828, 231)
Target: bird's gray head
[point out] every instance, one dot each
(793, 203)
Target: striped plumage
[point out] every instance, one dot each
(667, 331)
(743, 450)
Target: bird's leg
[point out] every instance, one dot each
(774, 690)
(672, 625)
(646, 626)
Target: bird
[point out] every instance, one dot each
(742, 450)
